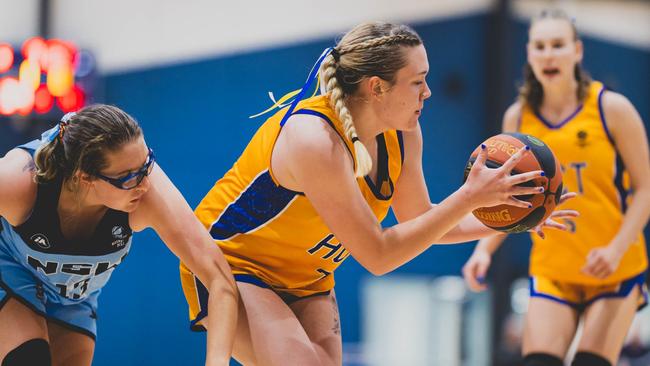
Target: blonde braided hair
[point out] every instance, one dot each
(370, 49)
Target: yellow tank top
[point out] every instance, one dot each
(275, 234)
(593, 169)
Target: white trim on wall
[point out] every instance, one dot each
(127, 34)
(18, 20)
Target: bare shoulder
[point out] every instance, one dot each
(17, 185)
(616, 104)
(309, 133)
(619, 113)
(511, 117)
(307, 143)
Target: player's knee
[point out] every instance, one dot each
(589, 359)
(35, 352)
(542, 359)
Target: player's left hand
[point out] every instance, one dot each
(603, 261)
(557, 214)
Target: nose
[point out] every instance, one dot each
(427, 92)
(144, 186)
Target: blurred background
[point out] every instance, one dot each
(191, 72)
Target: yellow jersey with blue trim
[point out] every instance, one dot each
(275, 234)
(595, 171)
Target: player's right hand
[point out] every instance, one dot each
(488, 187)
(475, 270)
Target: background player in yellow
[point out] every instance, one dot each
(596, 269)
(312, 186)
(69, 203)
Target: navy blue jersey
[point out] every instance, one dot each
(71, 269)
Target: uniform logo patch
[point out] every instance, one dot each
(582, 138)
(119, 232)
(41, 241)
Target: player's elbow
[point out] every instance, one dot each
(220, 273)
(379, 271)
(375, 269)
(375, 264)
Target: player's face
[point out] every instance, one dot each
(131, 158)
(405, 99)
(552, 50)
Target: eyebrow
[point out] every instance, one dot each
(423, 72)
(554, 39)
(124, 172)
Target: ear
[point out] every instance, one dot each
(376, 87)
(579, 50)
(83, 178)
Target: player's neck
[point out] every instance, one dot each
(366, 120)
(560, 96)
(78, 203)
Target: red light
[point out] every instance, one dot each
(60, 79)
(72, 101)
(36, 49)
(58, 53)
(27, 106)
(69, 48)
(5, 105)
(43, 100)
(6, 57)
(15, 96)
(29, 73)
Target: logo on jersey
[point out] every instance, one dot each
(119, 234)
(40, 240)
(582, 138)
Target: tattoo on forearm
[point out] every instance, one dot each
(336, 328)
(30, 166)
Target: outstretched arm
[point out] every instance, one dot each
(165, 210)
(411, 197)
(320, 166)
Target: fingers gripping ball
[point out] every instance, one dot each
(512, 219)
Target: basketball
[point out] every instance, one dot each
(512, 219)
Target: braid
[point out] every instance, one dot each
(337, 101)
(368, 50)
(398, 39)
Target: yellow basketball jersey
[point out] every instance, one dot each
(275, 234)
(593, 169)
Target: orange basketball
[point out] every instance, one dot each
(512, 219)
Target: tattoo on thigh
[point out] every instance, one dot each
(336, 328)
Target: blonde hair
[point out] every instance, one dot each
(369, 49)
(531, 91)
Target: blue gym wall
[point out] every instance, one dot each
(195, 116)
